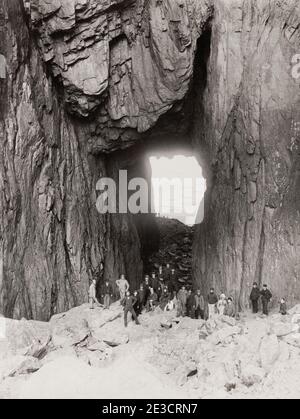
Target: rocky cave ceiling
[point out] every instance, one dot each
(125, 67)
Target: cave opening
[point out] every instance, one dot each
(174, 149)
(180, 150)
(178, 187)
(178, 191)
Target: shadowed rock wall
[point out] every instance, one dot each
(249, 126)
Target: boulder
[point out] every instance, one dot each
(68, 331)
(295, 310)
(78, 324)
(269, 351)
(293, 340)
(228, 320)
(296, 321)
(228, 332)
(115, 341)
(282, 329)
(218, 376)
(224, 335)
(57, 353)
(22, 336)
(166, 325)
(18, 365)
(251, 375)
(284, 349)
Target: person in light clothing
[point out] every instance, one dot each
(123, 287)
(221, 305)
(92, 295)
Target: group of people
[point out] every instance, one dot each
(163, 290)
(265, 296)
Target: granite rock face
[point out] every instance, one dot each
(87, 79)
(250, 129)
(52, 238)
(129, 60)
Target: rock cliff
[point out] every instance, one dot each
(87, 79)
(250, 129)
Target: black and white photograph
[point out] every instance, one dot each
(149, 202)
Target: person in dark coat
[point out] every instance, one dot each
(254, 298)
(161, 287)
(266, 297)
(142, 298)
(174, 279)
(160, 273)
(165, 298)
(147, 285)
(129, 303)
(212, 300)
(172, 289)
(190, 304)
(167, 273)
(230, 309)
(154, 282)
(199, 306)
(107, 294)
(137, 306)
(181, 302)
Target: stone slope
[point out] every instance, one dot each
(252, 358)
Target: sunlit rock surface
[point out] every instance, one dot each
(89, 354)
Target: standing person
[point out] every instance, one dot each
(152, 300)
(283, 307)
(107, 293)
(199, 306)
(230, 309)
(160, 272)
(148, 281)
(167, 273)
(254, 298)
(212, 302)
(221, 305)
(123, 286)
(161, 287)
(164, 299)
(170, 306)
(266, 297)
(142, 297)
(147, 285)
(129, 303)
(181, 302)
(174, 281)
(92, 295)
(154, 282)
(137, 306)
(172, 290)
(190, 304)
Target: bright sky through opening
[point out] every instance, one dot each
(178, 188)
